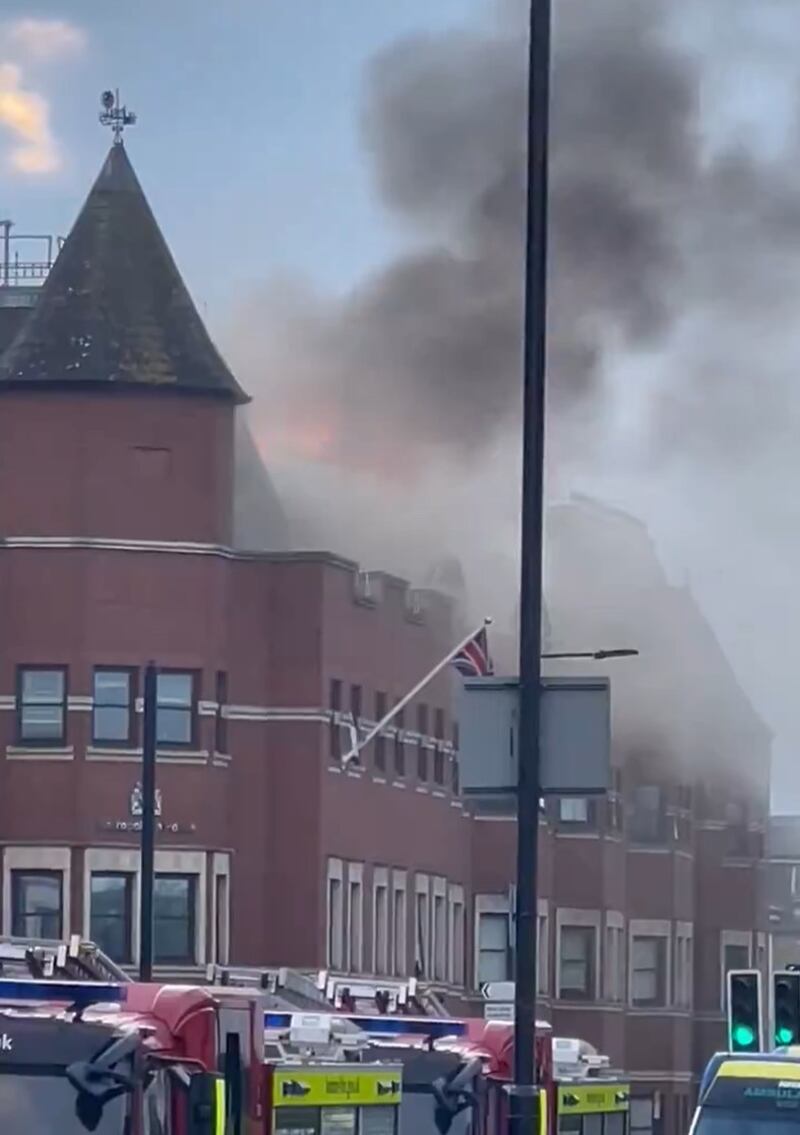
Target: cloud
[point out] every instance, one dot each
(25, 115)
(25, 112)
(44, 40)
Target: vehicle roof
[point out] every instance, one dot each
(159, 1012)
(720, 1062)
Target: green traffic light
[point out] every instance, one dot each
(784, 1036)
(743, 1036)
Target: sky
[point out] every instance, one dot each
(249, 145)
(256, 101)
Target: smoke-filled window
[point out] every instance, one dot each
(738, 837)
(648, 816)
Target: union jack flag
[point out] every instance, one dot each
(474, 660)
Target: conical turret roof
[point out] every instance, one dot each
(114, 309)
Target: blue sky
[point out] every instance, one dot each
(247, 142)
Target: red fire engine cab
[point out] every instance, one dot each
(115, 1059)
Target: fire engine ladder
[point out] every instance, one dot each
(74, 959)
(322, 991)
(286, 985)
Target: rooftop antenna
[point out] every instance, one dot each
(115, 115)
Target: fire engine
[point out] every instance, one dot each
(456, 1072)
(116, 1059)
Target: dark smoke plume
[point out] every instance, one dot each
(646, 224)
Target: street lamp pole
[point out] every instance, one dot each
(523, 1109)
(148, 839)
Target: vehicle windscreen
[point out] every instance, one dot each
(743, 1106)
(32, 1101)
(722, 1121)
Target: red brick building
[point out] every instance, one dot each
(118, 546)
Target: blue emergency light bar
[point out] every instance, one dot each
(433, 1028)
(77, 994)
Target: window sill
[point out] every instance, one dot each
(58, 752)
(176, 756)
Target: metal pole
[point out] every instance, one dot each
(148, 823)
(523, 1112)
(6, 227)
(412, 693)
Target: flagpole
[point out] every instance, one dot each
(448, 658)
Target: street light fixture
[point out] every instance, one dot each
(596, 655)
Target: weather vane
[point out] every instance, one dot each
(115, 115)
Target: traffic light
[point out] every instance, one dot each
(744, 1010)
(786, 1007)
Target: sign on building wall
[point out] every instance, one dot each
(133, 823)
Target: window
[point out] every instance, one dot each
(112, 713)
(576, 811)
(736, 957)
(356, 703)
(380, 932)
(174, 898)
(421, 930)
(648, 970)
(381, 703)
(541, 953)
(399, 927)
(647, 821)
(576, 963)
(682, 969)
(422, 752)
(355, 923)
(738, 838)
(221, 721)
(222, 918)
(734, 954)
(111, 907)
(439, 937)
(640, 1116)
(175, 717)
(36, 904)
(336, 707)
(399, 745)
(457, 937)
(335, 917)
(455, 776)
(438, 727)
(614, 802)
(41, 716)
(438, 765)
(493, 952)
(614, 965)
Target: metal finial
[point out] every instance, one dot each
(115, 115)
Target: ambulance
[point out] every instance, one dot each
(749, 1094)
